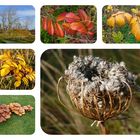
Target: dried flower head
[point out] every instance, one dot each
(99, 89)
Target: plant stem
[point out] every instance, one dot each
(103, 129)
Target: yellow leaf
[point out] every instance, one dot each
(4, 71)
(25, 81)
(28, 69)
(31, 76)
(22, 63)
(20, 56)
(21, 59)
(17, 83)
(20, 74)
(9, 62)
(134, 10)
(16, 72)
(18, 78)
(14, 64)
(19, 67)
(2, 57)
(5, 56)
(5, 66)
(7, 53)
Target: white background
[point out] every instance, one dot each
(39, 48)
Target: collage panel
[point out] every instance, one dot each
(121, 24)
(17, 24)
(17, 69)
(17, 114)
(68, 24)
(90, 91)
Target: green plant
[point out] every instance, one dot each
(117, 37)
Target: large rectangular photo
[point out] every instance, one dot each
(90, 91)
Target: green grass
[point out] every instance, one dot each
(56, 119)
(17, 124)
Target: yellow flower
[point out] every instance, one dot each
(109, 8)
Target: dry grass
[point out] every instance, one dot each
(56, 119)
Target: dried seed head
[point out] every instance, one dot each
(99, 89)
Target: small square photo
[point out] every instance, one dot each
(68, 24)
(17, 114)
(17, 69)
(17, 24)
(121, 24)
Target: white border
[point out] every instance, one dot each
(39, 48)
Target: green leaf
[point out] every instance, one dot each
(117, 37)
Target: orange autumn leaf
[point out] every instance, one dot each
(50, 27)
(83, 15)
(61, 16)
(44, 23)
(91, 33)
(71, 17)
(89, 25)
(67, 29)
(78, 26)
(58, 30)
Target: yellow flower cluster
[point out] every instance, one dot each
(15, 65)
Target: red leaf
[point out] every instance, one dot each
(67, 29)
(58, 30)
(83, 15)
(78, 26)
(89, 25)
(61, 17)
(44, 23)
(91, 33)
(71, 17)
(50, 27)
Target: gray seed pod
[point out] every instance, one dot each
(99, 89)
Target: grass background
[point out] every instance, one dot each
(17, 124)
(56, 119)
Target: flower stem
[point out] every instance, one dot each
(103, 129)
